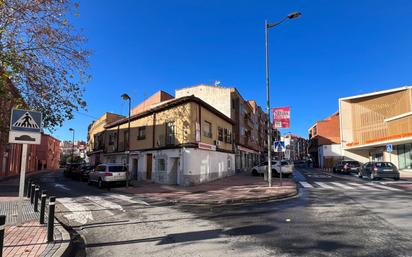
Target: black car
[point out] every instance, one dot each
(84, 172)
(375, 170)
(72, 170)
(346, 167)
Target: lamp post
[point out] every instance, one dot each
(269, 129)
(127, 97)
(71, 158)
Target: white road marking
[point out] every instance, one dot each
(127, 199)
(62, 187)
(369, 188)
(104, 203)
(341, 185)
(305, 184)
(384, 187)
(80, 213)
(395, 182)
(324, 185)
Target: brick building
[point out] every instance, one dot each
(324, 142)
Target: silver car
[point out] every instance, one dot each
(283, 166)
(108, 173)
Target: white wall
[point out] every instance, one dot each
(207, 165)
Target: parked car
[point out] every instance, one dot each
(108, 173)
(277, 166)
(72, 169)
(346, 167)
(84, 172)
(375, 170)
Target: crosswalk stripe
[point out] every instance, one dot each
(364, 187)
(305, 184)
(385, 187)
(341, 185)
(324, 185)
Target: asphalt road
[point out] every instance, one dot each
(334, 216)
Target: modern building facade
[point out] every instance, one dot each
(371, 122)
(250, 122)
(324, 142)
(181, 141)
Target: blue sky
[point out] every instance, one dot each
(336, 49)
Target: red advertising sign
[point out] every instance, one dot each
(281, 117)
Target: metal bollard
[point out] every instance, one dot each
(50, 223)
(36, 198)
(33, 186)
(28, 188)
(42, 205)
(2, 222)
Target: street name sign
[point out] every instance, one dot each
(25, 127)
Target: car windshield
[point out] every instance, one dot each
(284, 163)
(117, 168)
(384, 165)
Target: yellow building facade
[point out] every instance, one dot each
(182, 141)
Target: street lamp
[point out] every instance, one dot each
(127, 97)
(267, 27)
(71, 159)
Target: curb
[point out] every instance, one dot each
(65, 240)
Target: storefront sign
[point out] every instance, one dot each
(281, 117)
(206, 146)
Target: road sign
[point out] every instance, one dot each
(25, 127)
(27, 121)
(21, 137)
(280, 144)
(389, 148)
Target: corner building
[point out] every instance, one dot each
(370, 122)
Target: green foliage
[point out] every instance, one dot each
(41, 53)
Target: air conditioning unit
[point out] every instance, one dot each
(217, 143)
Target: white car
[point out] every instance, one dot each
(277, 166)
(108, 173)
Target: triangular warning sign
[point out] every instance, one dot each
(26, 121)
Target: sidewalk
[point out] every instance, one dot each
(29, 239)
(239, 188)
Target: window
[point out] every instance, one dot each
(141, 133)
(111, 139)
(161, 164)
(220, 134)
(228, 136)
(170, 133)
(117, 168)
(207, 129)
(100, 168)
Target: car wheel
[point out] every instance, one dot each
(100, 183)
(254, 173)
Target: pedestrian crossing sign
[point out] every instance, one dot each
(25, 127)
(27, 121)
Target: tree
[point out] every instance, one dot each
(42, 54)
